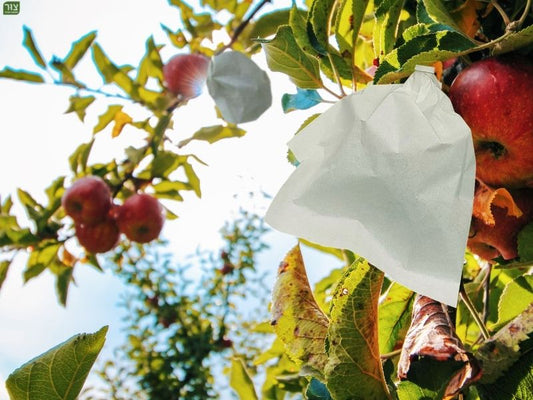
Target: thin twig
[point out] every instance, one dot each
(523, 17)
(486, 293)
(242, 25)
(392, 354)
(470, 306)
(499, 8)
(328, 33)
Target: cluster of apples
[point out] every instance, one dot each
(99, 222)
(495, 98)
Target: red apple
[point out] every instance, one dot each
(141, 218)
(490, 242)
(88, 200)
(100, 237)
(495, 98)
(185, 74)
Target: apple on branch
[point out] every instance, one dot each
(185, 74)
(495, 98)
(98, 238)
(141, 218)
(87, 201)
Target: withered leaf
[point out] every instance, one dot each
(296, 317)
(485, 197)
(432, 335)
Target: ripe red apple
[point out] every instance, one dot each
(490, 242)
(100, 237)
(185, 74)
(494, 97)
(88, 200)
(141, 218)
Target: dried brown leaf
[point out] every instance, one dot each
(432, 335)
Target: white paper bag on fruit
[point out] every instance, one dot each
(389, 173)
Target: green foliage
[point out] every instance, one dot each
(354, 368)
(525, 243)
(394, 316)
(60, 372)
(212, 134)
(284, 55)
(21, 75)
(240, 380)
(185, 319)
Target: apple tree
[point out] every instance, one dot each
(356, 335)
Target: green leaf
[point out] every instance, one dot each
(423, 50)
(151, 64)
(428, 379)
(163, 164)
(78, 159)
(500, 353)
(21, 75)
(348, 23)
(354, 369)
(4, 267)
(387, 18)
(178, 38)
(298, 25)
(214, 133)
(525, 243)
(33, 209)
(30, 45)
(170, 189)
(515, 41)
(516, 297)
(394, 316)
(59, 373)
(78, 50)
(79, 104)
(317, 391)
(342, 66)
(517, 385)
(106, 118)
(240, 380)
(284, 55)
(111, 73)
(319, 20)
(66, 74)
(438, 12)
(268, 23)
(63, 280)
(194, 181)
(296, 317)
(159, 131)
(40, 259)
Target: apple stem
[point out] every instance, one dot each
(470, 306)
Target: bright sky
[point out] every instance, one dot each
(37, 138)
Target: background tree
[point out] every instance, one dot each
(327, 48)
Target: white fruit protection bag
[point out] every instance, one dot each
(387, 172)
